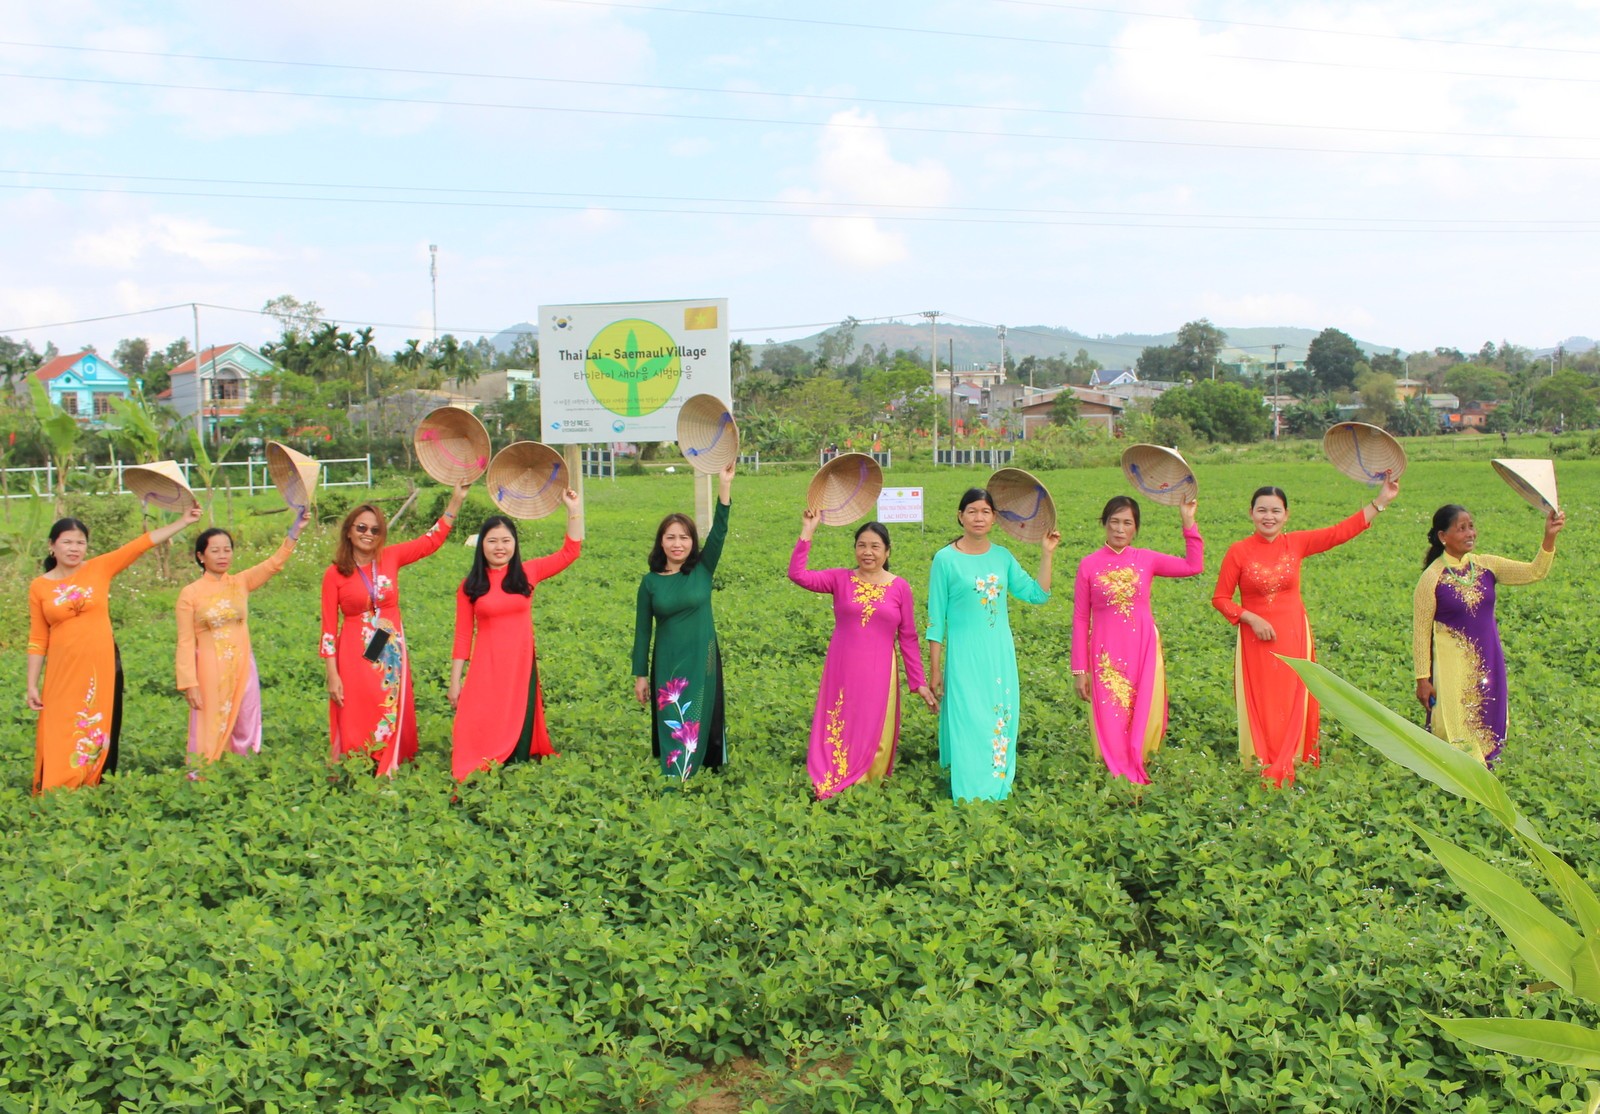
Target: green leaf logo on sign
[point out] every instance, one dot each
(632, 367)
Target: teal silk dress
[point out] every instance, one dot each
(979, 717)
(685, 670)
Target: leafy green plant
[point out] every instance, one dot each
(1567, 956)
(61, 432)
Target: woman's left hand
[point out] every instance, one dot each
(193, 696)
(1553, 525)
(191, 516)
(573, 502)
(1188, 510)
(1051, 540)
(928, 698)
(1388, 493)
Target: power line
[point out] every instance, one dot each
(1390, 228)
(1035, 40)
(767, 121)
(894, 102)
(1297, 29)
(856, 208)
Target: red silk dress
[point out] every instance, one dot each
(500, 715)
(1277, 716)
(377, 716)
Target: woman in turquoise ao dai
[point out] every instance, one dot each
(973, 658)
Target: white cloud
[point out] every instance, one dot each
(123, 246)
(855, 166)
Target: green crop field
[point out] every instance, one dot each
(566, 937)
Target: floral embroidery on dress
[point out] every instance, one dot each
(1121, 586)
(1271, 579)
(74, 597)
(221, 613)
(1468, 584)
(328, 647)
(680, 760)
(1000, 741)
(1114, 681)
(392, 662)
(1479, 741)
(380, 588)
(838, 754)
(91, 741)
(989, 589)
(868, 596)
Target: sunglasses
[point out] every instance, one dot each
(363, 528)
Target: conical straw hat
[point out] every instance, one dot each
(1364, 452)
(160, 485)
(1024, 507)
(707, 433)
(293, 473)
(1534, 480)
(845, 489)
(1160, 474)
(527, 479)
(452, 445)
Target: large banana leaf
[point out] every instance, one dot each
(1558, 1042)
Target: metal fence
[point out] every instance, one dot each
(599, 462)
(750, 460)
(991, 457)
(256, 476)
(884, 458)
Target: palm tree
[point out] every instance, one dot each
(741, 361)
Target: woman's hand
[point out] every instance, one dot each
(936, 683)
(809, 521)
(1187, 511)
(1051, 540)
(641, 690)
(336, 689)
(455, 692)
(458, 495)
(929, 699)
(1425, 693)
(1387, 493)
(725, 478)
(1080, 682)
(193, 696)
(1552, 527)
(34, 703)
(1262, 628)
(573, 501)
(300, 519)
(190, 516)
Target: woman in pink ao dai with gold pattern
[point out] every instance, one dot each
(857, 721)
(1116, 649)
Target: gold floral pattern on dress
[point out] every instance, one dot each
(868, 596)
(1477, 740)
(1468, 584)
(1121, 586)
(838, 754)
(1114, 681)
(1271, 579)
(74, 597)
(989, 589)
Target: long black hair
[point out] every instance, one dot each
(882, 531)
(1443, 518)
(476, 585)
(1269, 490)
(1121, 503)
(204, 540)
(61, 526)
(658, 555)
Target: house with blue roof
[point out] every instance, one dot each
(83, 385)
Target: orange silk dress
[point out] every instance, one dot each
(1277, 716)
(214, 656)
(378, 716)
(69, 624)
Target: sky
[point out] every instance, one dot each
(1417, 174)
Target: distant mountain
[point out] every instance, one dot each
(1570, 345)
(979, 344)
(506, 339)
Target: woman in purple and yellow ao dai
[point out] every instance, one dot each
(1460, 665)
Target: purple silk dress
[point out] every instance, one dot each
(857, 721)
(1115, 641)
(1456, 643)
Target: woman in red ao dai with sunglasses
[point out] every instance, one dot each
(369, 669)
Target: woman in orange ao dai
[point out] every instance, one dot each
(1277, 716)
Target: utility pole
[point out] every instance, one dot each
(1001, 329)
(199, 388)
(1275, 349)
(433, 276)
(933, 317)
(952, 392)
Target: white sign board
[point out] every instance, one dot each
(620, 371)
(900, 504)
